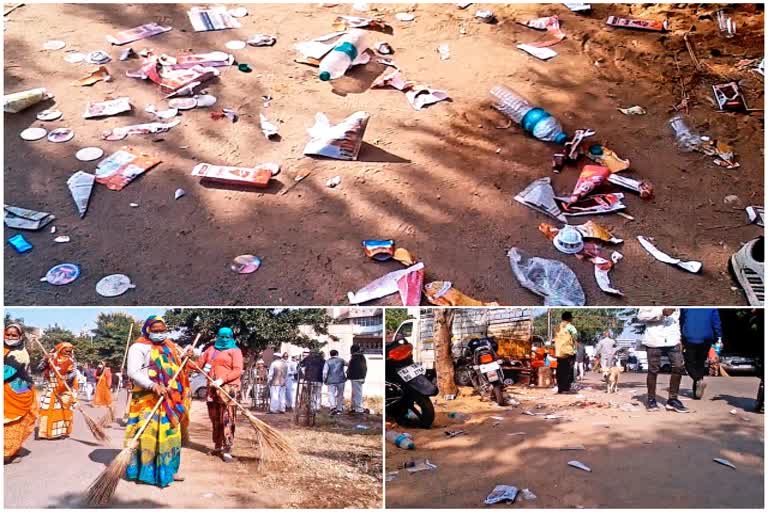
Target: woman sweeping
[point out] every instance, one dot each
(19, 401)
(223, 362)
(152, 361)
(103, 396)
(57, 402)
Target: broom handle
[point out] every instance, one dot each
(51, 365)
(127, 344)
(211, 380)
(159, 402)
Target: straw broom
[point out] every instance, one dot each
(122, 372)
(102, 489)
(93, 425)
(271, 442)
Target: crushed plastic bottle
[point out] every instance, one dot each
(401, 440)
(339, 60)
(685, 138)
(534, 120)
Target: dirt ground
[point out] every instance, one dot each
(638, 459)
(440, 181)
(337, 466)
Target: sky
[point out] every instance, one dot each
(74, 319)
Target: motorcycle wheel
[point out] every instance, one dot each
(498, 395)
(463, 376)
(421, 406)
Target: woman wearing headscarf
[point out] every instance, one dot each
(19, 400)
(103, 396)
(153, 360)
(223, 362)
(60, 396)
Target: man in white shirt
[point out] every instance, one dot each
(278, 373)
(662, 337)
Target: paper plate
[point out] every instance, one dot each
(182, 103)
(62, 274)
(206, 100)
(88, 154)
(245, 264)
(48, 115)
(33, 133)
(54, 44)
(74, 58)
(235, 44)
(114, 285)
(238, 12)
(61, 135)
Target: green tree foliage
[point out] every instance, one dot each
(394, 317)
(108, 339)
(255, 329)
(591, 323)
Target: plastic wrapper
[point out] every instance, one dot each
(23, 218)
(205, 19)
(383, 286)
(592, 229)
(379, 250)
(595, 204)
(409, 286)
(257, 177)
(107, 108)
(404, 256)
(550, 279)
(591, 177)
(607, 158)
(97, 75)
(341, 141)
(539, 53)
(502, 494)
(20, 244)
(18, 101)
(580, 465)
(314, 50)
(640, 24)
(138, 129)
(267, 128)
(602, 268)
(348, 22)
(442, 293)
(540, 196)
(80, 187)
(140, 32)
(691, 266)
(756, 215)
(552, 25)
(120, 168)
(262, 40)
(642, 187)
(420, 96)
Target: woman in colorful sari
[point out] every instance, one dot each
(223, 362)
(19, 400)
(153, 360)
(103, 396)
(57, 402)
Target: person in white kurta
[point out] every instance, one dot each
(277, 377)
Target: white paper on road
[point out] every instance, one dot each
(539, 53)
(691, 266)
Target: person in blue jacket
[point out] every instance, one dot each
(700, 329)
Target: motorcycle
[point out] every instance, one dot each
(479, 366)
(407, 389)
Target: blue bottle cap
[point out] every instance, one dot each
(324, 76)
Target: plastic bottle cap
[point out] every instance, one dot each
(561, 138)
(324, 76)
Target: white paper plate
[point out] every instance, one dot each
(88, 154)
(33, 133)
(114, 285)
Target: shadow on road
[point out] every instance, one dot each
(103, 455)
(73, 500)
(744, 403)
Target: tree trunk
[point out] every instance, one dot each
(443, 357)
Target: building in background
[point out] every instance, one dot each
(352, 326)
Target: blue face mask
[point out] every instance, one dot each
(225, 342)
(158, 337)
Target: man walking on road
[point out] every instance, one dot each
(662, 337)
(581, 354)
(90, 381)
(700, 328)
(606, 351)
(565, 350)
(290, 381)
(312, 367)
(333, 376)
(356, 372)
(277, 376)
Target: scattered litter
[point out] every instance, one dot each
(724, 462)
(48, 115)
(691, 266)
(341, 141)
(204, 19)
(88, 154)
(179, 193)
(731, 200)
(107, 108)
(444, 51)
(383, 286)
(502, 494)
(384, 48)
(54, 45)
(225, 112)
(595, 204)
(61, 239)
(454, 433)
(314, 50)
(550, 279)
(346, 22)
(243, 67)
(362, 427)
(424, 465)
(257, 177)
(133, 205)
(578, 7)
(392, 475)
(262, 40)
(552, 417)
(641, 24)
(644, 188)
(18, 101)
(127, 54)
(463, 5)
(163, 115)
(734, 412)
(419, 96)
(61, 274)
(528, 495)
(16, 217)
(235, 44)
(60, 135)
(94, 76)
(138, 129)
(579, 465)
(726, 24)
(756, 215)
(180, 76)
(80, 187)
(140, 32)
(539, 53)
(333, 182)
(120, 168)
(635, 110)
(729, 97)
(443, 293)
(97, 57)
(405, 16)
(554, 33)
(485, 16)
(540, 196)
(238, 12)
(572, 447)
(245, 264)
(183, 103)
(114, 285)
(516, 433)
(74, 57)
(204, 100)
(32, 134)
(20, 244)
(269, 130)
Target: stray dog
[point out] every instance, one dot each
(613, 379)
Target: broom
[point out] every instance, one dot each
(271, 442)
(102, 489)
(122, 372)
(93, 426)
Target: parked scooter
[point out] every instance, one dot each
(479, 365)
(407, 389)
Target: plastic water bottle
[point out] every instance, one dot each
(534, 120)
(340, 59)
(458, 416)
(686, 139)
(400, 439)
